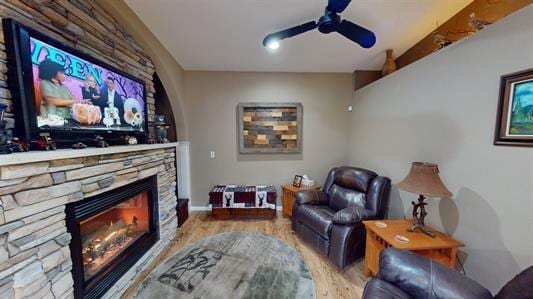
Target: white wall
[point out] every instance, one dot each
(442, 109)
(211, 108)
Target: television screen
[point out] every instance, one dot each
(72, 93)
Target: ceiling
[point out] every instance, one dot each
(226, 35)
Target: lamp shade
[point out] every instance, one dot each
(423, 179)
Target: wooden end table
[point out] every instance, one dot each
(288, 196)
(442, 248)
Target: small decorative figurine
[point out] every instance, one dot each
(19, 145)
(79, 145)
(9, 145)
(129, 140)
(390, 64)
(4, 150)
(5, 147)
(161, 129)
(440, 40)
(477, 23)
(44, 143)
(132, 140)
(100, 142)
(150, 139)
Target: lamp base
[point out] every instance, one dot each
(422, 228)
(419, 213)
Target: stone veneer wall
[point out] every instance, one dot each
(34, 253)
(83, 25)
(34, 243)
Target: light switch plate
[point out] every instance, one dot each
(212, 154)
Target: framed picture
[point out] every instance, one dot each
(514, 123)
(270, 128)
(297, 182)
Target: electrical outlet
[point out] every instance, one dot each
(212, 154)
(350, 108)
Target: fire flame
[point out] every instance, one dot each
(110, 236)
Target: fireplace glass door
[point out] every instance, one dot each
(105, 235)
(110, 232)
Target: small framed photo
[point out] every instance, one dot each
(297, 182)
(514, 123)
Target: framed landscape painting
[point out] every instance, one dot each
(514, 124)
(269, 128)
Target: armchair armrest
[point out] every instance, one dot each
(380, 289)
(311, 197)
(352, 215)
(424, 278)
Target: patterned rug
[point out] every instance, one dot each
(231, 265)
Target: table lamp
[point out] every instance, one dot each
(423, 179)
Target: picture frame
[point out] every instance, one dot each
(270, 127)
(297, 181)
(514, 121)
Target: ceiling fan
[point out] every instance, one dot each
(327, 23)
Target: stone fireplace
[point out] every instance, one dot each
(38, 189)
(110, 232)
(84, 223)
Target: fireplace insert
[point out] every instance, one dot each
(110, 232)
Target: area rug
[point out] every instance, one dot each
(231, 265)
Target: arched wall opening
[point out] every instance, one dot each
(164, 107)
(168, 70)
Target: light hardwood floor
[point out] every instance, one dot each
(329, 282)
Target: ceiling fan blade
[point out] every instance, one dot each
(356, 33)
(337, 6)
(290, 32)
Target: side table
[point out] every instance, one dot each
(182, 210)
(288, 196)
(442, 248)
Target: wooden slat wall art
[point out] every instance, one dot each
(270, 128)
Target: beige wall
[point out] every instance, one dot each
(210, 106)
(442, 109)
(168, 69)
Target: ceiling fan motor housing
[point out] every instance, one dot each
(329, 22)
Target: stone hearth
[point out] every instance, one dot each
(34, 189)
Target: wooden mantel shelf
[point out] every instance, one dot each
(39, 156)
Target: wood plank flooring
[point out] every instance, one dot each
(329, 282)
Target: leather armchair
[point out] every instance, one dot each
(403, 274)
(329, 220)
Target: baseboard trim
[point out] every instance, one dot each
(198, 209)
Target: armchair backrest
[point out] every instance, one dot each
(518, 286)
(351, 186)
(421, 277)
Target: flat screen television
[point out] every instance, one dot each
(69, 94)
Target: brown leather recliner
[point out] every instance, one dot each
(330, 220)
(405, 275)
